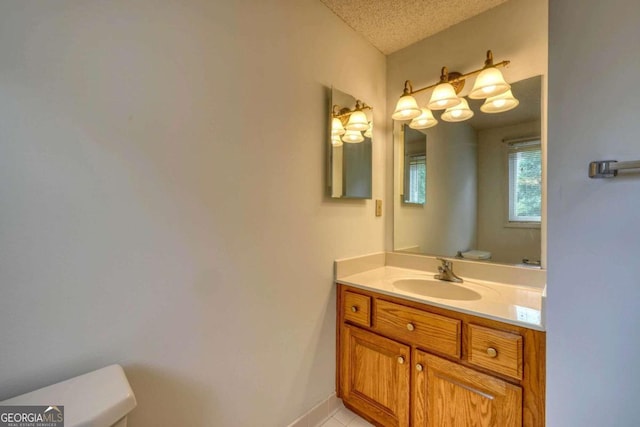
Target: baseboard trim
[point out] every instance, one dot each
(319, 413)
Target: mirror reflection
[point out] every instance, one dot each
(415, 167)
(350, 161)
(473, 189)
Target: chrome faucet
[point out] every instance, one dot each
(446, 272)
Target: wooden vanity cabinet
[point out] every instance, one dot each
(447, 394)
(376, 373)
(411, 364)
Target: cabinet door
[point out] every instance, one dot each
(446, 394)
(375, 373)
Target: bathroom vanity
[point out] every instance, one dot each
(413, 351)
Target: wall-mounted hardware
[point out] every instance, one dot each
(610, 168)
(489, 85)
(378, 207)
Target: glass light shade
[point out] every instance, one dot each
(353, 136)
(358, 121)
(369, 132)
(500, 103)
(443, 96)
(489, 83)
(336, 127)
(424, 121)
(336, 141)
(458, 113)
(406, 108)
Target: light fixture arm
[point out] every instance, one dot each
(341, 113)
(444, 75)
(362, 106)
(454, 77)
(408, 88)
(489, 61)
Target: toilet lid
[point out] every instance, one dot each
(476, 254)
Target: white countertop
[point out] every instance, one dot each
(517, 305)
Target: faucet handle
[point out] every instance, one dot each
(446, 271)
(445, 262)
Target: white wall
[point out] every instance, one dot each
(506, 243)
(594, 273)
(163, 187)
(515, 30)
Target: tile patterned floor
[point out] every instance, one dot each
(344, 417)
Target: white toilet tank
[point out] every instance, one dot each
(101, 398)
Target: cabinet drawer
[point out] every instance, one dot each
(357, 308)
(425, 330)
(496, 350)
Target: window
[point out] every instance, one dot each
(416, 178)
(525, 181)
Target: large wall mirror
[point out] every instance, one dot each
(349, 158)
(473, 189)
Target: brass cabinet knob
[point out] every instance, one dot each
(492, 352)
(354, 308)
(400, 360)
(419, 367)
(410, 326)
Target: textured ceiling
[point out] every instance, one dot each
(391, 25)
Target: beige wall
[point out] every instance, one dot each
(163, 185)
(506, 243)
(516, 30)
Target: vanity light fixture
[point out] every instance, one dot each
(353, 136)
(500, 103)
(369, 132)
(445, 96)
(424, 120)
(358, 121)
(459, 113)
(336, 127)
(407, 106)
(350, 123)
(490, 82)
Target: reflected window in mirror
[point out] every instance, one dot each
(524, 165)
(415, 167)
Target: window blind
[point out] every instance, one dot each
(417, 178)
(525, 181)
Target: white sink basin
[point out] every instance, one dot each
(436, 289)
